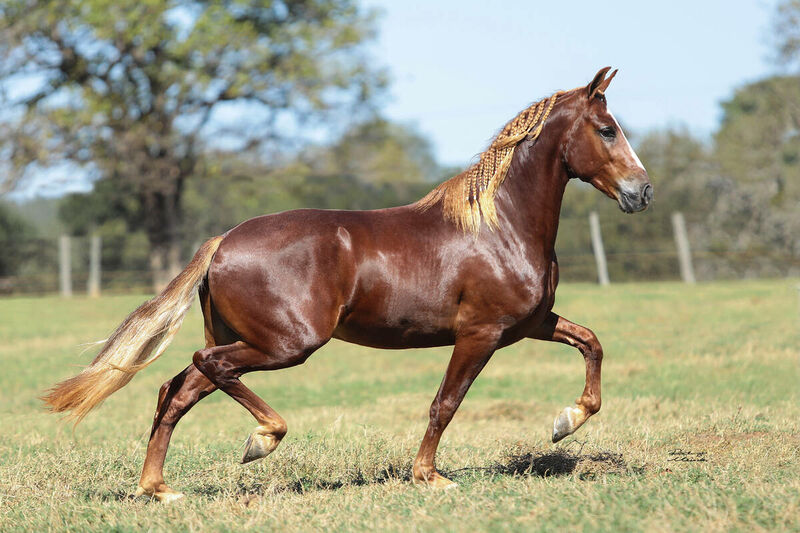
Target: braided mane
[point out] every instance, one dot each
(469, 196)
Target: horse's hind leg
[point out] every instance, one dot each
(559, 329)
(175, 398)
(224, 365)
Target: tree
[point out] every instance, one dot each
(13, 230)
(373, 164)
(131, 91)
(759, 138)
(681, 168)
(758, 149)
(786, 33)
(379, 151)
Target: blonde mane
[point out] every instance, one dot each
(469, 197)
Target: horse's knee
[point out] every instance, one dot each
(592, 349)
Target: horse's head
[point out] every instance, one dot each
(596, 150)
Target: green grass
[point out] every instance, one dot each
(712, 370)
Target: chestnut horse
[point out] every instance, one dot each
(471, 265)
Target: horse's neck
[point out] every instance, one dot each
(530, 198)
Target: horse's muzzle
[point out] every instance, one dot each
(634, 198)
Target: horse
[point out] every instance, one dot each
(471, 265)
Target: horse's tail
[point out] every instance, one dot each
(137, 342)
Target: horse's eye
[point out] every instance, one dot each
(607, 132)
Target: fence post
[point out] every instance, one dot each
(682, 242)
(597, 247)
(65, 266)
(93, 284)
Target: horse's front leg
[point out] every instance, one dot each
(473, 348)
(558, 329)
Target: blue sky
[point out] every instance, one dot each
(461, 68)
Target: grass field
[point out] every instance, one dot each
(699, 430)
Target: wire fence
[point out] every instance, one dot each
(642, 252)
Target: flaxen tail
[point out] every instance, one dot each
(136, 343)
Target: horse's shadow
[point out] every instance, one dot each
(559, 462)
(556, 463)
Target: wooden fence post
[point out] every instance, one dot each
(682, 242)
(64, 266)
(597, 247)
(93, 283)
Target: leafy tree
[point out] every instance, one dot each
(786, 33)
(758, 150)
(374, 164)
(13, 230)
(379, 151)
(131, 91)
(681, 168)
(83, 213)
(759, 138)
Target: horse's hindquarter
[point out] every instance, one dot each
(281, 282)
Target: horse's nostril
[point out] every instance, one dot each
(647, 193)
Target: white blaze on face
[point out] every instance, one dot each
(631, 153)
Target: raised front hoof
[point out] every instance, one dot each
(162, 494)
(567, 422)
(259, 445)
(433, 481)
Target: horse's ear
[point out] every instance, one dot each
(601, 89)
(599, 83)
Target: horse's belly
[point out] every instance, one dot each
(380, 324)
(392, 337)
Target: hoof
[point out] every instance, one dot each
(259, 445)
(435, 481)
(165, 495)
(566, 423)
